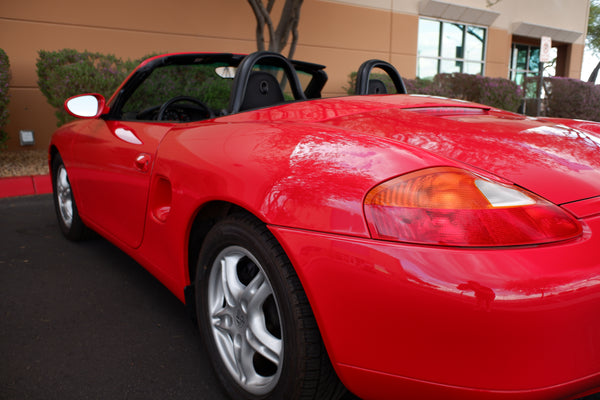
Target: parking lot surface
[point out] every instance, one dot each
(84, 321)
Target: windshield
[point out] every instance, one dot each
(191, 87)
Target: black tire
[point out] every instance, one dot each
(69, 221)
(265, 305)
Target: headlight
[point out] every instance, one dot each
(456, 207)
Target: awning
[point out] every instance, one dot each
(456, 12)
(537, 31)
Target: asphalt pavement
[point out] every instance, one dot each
(85, 321)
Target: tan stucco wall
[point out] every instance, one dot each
(338, 33)
(570, 15)
(128, 29)
(498, 53)
(574, 61)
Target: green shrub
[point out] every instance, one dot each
(385, 78)
(198, 81)
(417, 86)
(572, 98)
(66, 73)
(351, 88)
(495, 92)
(4, 96)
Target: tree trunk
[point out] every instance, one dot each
(594, 73)
(288, 24)
(263, 18)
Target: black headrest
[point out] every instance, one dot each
(376, 86)
(262, 90)
(363, 83)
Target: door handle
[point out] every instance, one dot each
(142, 162)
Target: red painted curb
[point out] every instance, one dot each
(25, 185)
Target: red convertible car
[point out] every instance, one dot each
(392, 245)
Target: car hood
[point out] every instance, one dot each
(558, 162)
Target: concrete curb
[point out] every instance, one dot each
(25, 185)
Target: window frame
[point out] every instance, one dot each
(514, 70)
(439, 59)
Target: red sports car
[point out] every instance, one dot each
(392, 245)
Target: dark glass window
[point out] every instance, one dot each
(449, 47)
(524, 62)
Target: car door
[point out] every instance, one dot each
(112, 168)
(115, 154)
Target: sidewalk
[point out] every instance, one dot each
(25, 185)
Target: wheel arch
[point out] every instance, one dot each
(52, 152)
(205, 218)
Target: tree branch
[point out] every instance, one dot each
(263, 18)
(294, 30)
(594, 74)
(288, 22)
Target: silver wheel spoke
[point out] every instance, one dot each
(264, 343)
(244, 354)
(225, 342)
(258, 336)
(249, 295)
(232, 288)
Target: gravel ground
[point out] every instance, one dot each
(23, 163)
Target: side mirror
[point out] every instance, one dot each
(85, 105)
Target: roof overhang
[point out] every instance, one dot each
(537, 31)
(456, 12)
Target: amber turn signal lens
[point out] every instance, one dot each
(456, 207)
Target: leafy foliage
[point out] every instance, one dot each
(572, 98)
(495, 92)
(592, 39)
(66, 73)
(198, 81)
(593, 34)
(4, 96)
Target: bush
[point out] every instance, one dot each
(417, 86)
(4, 96)
(351, 88)
(198, 81)
(66, 73)
(495, 92)
(572, 98)
(385, 78)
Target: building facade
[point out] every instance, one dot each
(420, 37)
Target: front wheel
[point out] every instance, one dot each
(64, 203)
(259, 330)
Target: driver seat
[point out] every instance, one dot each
(253, 87)
(262, 90)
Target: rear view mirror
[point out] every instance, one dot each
(85, 106)
(226, 72)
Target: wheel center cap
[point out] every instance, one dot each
(240, 319)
